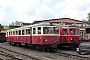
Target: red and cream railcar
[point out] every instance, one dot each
(43, 36)
(69, 36)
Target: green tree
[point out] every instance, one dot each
(1, 27)
(88, 17)
(84, 20)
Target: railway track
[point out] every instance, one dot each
(47, 56)
(72, 56)
(7, 54)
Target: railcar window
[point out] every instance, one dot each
(13, 32)
(55, 30)
(22, 32)
(27, 31)
(34, 30)
(9, 33)
(65, 31)
(39, 30)
(19, 32)
(47, 30)
(16, 32)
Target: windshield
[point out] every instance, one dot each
(74, 31)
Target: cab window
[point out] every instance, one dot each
(71, 31)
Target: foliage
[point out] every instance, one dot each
(88, 17)
(84, 20)
(11, 27)
(1, 27)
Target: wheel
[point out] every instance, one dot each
(14, 44)
(26, 45)
(9, 42)
(19, 44)
(72, 47)
(44, 48)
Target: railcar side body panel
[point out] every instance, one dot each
(45, 40)
(36, 39)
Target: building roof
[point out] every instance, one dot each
(58, 19)
(3, 31)
(27, 23)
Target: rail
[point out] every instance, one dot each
(15, 55)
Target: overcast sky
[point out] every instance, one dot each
(31, 10)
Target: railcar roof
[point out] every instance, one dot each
(43, 24)
(68, 27)
(40, 24)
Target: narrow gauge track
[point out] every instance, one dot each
(6, 56)
(67, 56)
(13, 55)
(72, 56)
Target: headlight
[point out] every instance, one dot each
(45, 40)
(71, 39)
(77, 49)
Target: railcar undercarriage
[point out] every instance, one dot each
(52, 47)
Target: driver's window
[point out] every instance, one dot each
(71, 31)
